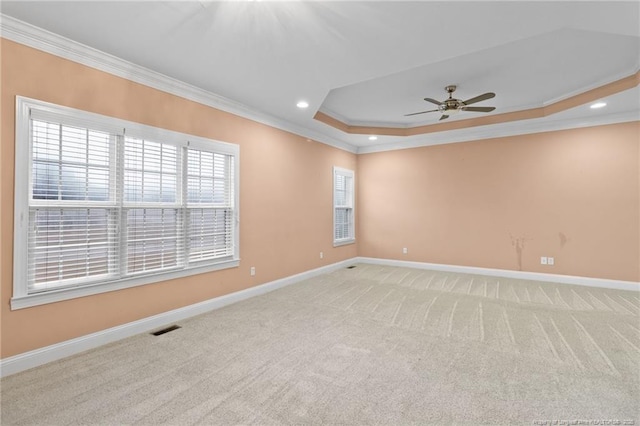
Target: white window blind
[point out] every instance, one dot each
(103, 203)
(71, 214)
(209, 205)
(343, 206)
(151, 206)
(67, 245)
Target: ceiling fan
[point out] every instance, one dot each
(452, 105)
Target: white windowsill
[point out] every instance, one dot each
(28, 301)
(344, 242)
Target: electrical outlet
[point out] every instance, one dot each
(550, 261)
(405, 250)
(543, 260)
(253, 271)
(321, 255)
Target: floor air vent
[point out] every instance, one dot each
(351, 267)
(165, 330)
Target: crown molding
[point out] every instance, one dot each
(500, 130)
(46, 41)
(600, 83)
(340, 121)
(489, 121)
(603, 88)
(29, 35)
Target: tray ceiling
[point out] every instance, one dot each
(364, 63)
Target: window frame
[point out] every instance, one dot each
(26, 109)
(351, 239)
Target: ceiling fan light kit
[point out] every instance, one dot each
(452, 105)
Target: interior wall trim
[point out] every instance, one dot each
(47, 354)
(46, 41)
(622, 84)
(515, 128)
(505, 273)
(41, 356)
(29, 35)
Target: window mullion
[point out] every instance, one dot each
(86, 164)
(229, 183)
(186, 216)
(60, 162)
(121, 216)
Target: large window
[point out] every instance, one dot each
(103, 204)
(343, 218)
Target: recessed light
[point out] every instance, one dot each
(373, 138)
(302, 104)
(598, 105)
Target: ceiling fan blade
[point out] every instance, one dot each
(444, 117)
(478, 109)
(433, 101)
(421, 112)
(479, 98)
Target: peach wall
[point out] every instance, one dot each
(499, 203)
(285, 197)
(503, 203)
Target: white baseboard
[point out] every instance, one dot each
(522, 275)
(37, 357)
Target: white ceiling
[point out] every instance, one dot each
(526, 73)
(366, 63)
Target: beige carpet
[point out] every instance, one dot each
(369, 345)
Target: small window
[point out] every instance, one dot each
(103, 204)
(343, 202)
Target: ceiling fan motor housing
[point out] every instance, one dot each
(451, 105)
